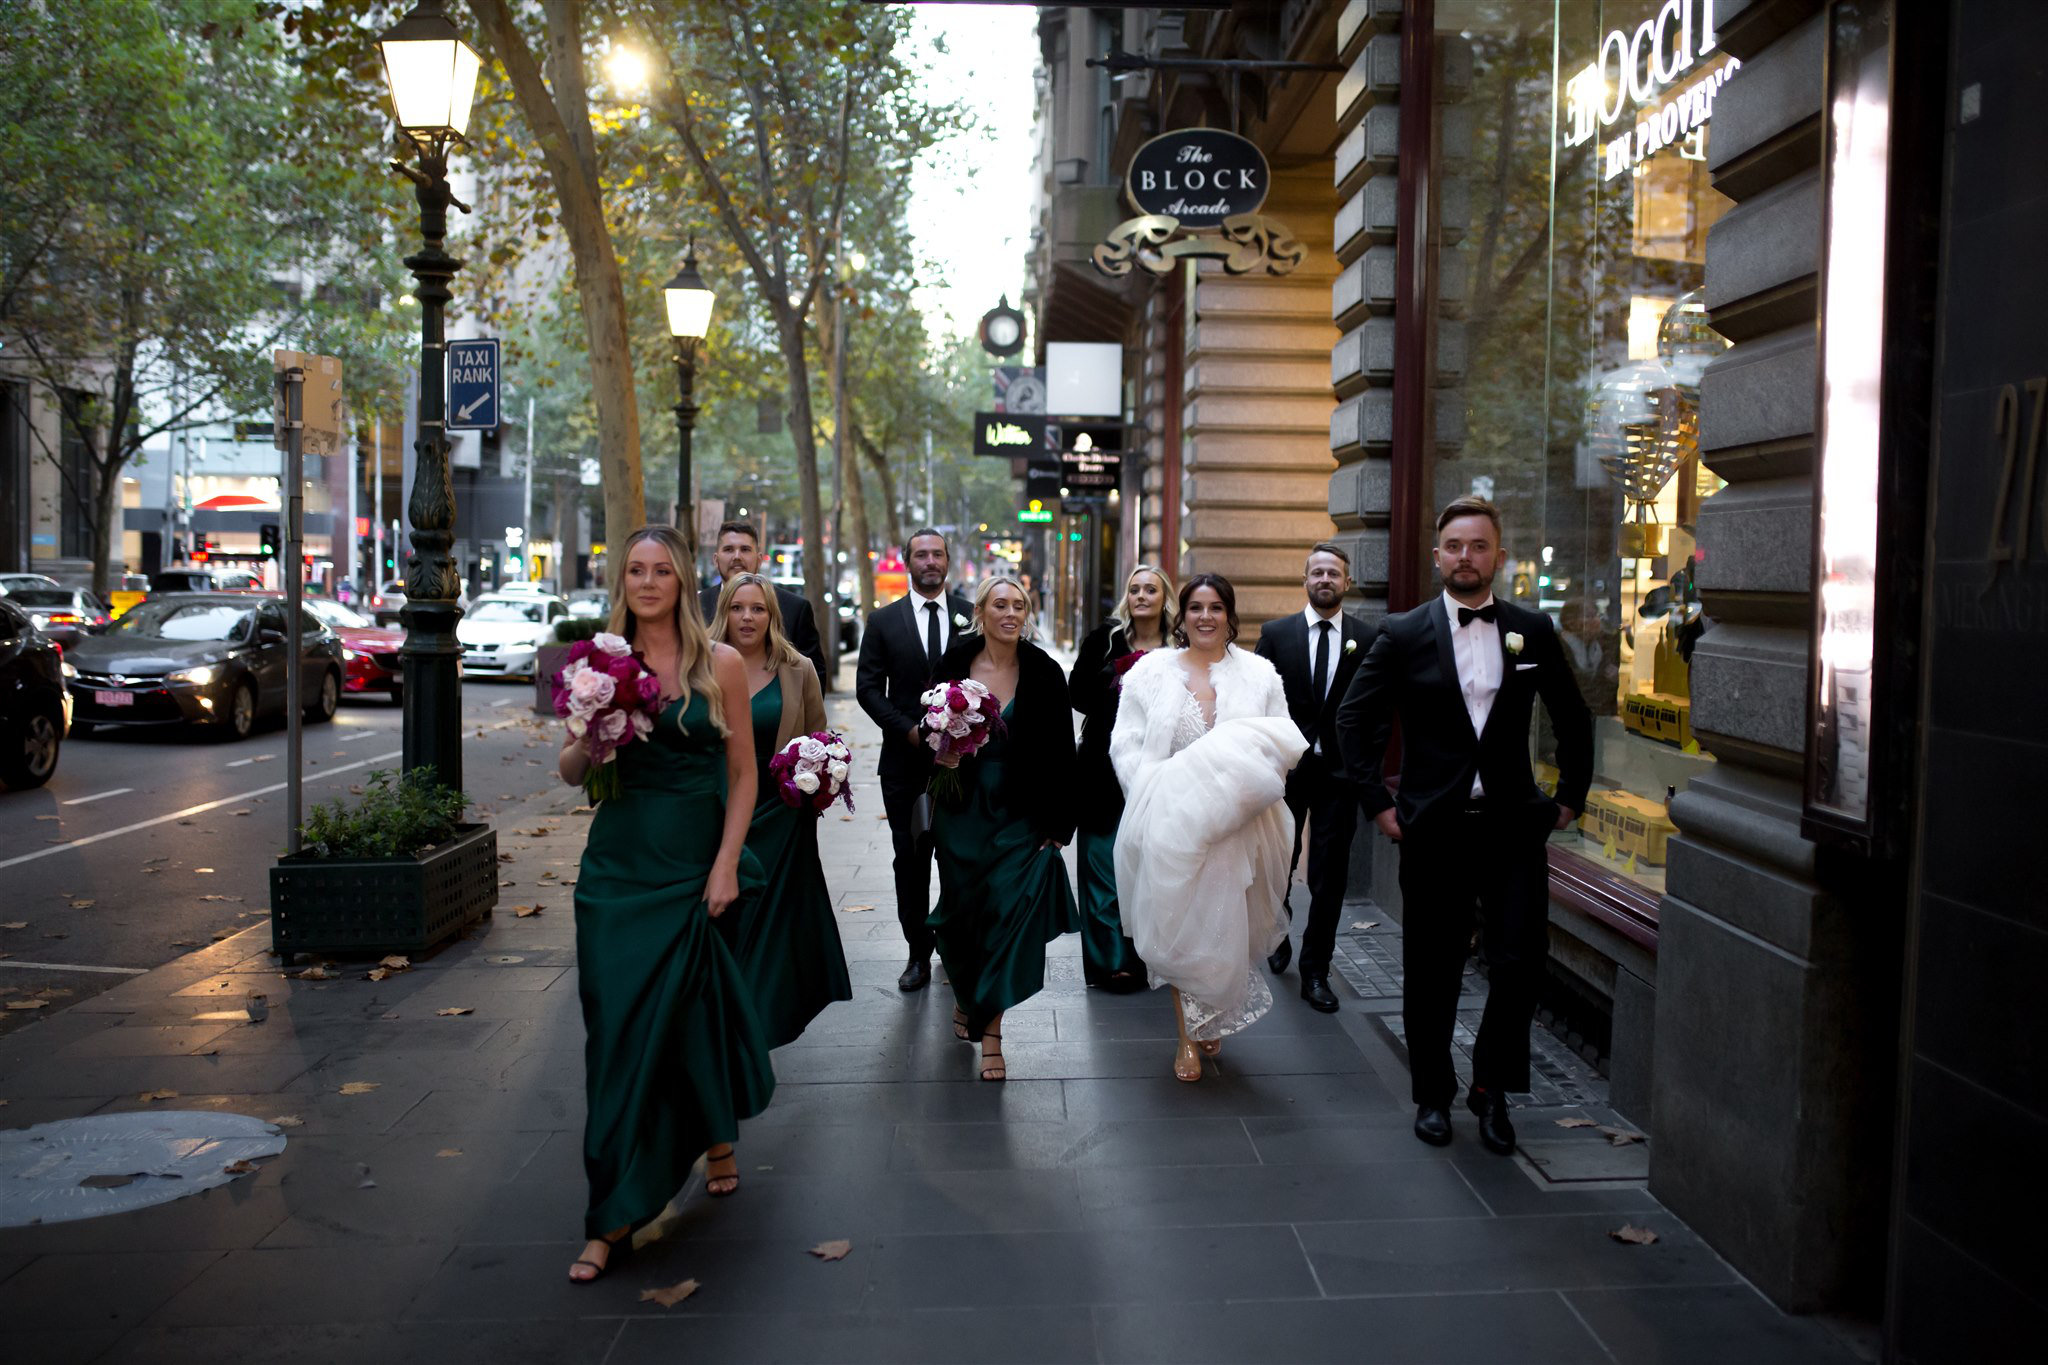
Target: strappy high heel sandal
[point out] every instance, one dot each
(992, 1068)
(616, 1249)
(960, 1025)
(714, 1178)
(1187, 1063)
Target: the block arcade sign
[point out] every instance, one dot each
(1198, 176)
(1665, 73)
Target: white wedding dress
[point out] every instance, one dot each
(1202, 850)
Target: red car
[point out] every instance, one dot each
(369, 651)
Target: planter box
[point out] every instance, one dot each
(551, 660)
(383, 905)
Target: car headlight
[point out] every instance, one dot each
(198, 677)
(69, 671)
(347, 653)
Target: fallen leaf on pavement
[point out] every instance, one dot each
(855, 909)
(397, 962)
(581, 810)
(258, 1006)
(15, 924)
(83, 905)
(1633, 1235)
(152, 1096)
(377, 973)
(238, 1168)
(184, 943)
(46, 817)
(311, 974)
(220, 934)
(1576, 1123)
(56, 935)
(26, 1004)
(359, 1087)
(288, 1121)
(238, 812)
(526, 911)
(456, 1009)
(503, 884)
(531, 833)
(847, 818)
(216, 896)
(832, 1251)
(1365, 924)
(265, 758)
(449, 1151)
(670, 1296)
(1620, 1137)
(202, 869)
(504, 857)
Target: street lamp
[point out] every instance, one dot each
(432, 74)
(689, 318)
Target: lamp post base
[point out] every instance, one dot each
(432, 664)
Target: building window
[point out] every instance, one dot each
(1574, 215)
(78, 484)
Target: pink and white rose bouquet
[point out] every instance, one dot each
(810, 772)
(959, 718)
(610, 698)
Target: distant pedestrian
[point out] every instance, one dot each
(787, 943)
(1003, 888)
(902, 645)
(1143, 621)
(673, 1057)
(738, 550)
(1462, 673)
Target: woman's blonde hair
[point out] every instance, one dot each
(1121, 613)
(987, 590)
(781, 653)
(693, 643)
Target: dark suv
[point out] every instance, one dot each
(35, 710)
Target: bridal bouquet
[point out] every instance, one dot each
(810, 772)
(610, 698)
(959, 718)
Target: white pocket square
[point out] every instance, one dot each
(1523, 668)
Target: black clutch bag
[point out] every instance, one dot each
(921, 819)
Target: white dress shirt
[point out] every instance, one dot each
(920, 618)
(1336, 621)
(1475, 647)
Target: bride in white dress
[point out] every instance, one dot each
(1202, 746)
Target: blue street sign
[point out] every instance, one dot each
(473, 384)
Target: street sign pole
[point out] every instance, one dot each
(292, 393)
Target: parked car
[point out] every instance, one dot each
(205, 580)
(386, 602)
(35, 710)
(11, 583)
(590, 603)
(214, 659)
(64, 614)
(840, 605)
(369, 650)
(502, 633)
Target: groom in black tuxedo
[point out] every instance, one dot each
(902, 644)
(1316, 650)
(1463, 672)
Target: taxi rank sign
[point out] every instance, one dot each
(473, 384)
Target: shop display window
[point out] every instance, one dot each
(1573, 189)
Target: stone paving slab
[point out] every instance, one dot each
(1091, 1209)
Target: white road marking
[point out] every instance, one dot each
(209, 805)
(98, 796)
(75, 967)
(241, 763)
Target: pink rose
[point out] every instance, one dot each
(589, 690)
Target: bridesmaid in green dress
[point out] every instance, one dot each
(673, 1055)
(787, 943)
(1142, 622)
(1003, 888)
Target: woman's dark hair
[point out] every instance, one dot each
(1216, 583)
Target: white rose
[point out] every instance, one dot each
(610, 643)
(959, 621)
(806, 782)
(577, 725)
(1513, 640)
(809, 750)
(836, 771)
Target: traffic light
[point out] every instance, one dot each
(268, 531)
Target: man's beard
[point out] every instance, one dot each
(930, 579)
(1325, 594)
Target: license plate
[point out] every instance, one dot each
(114, 698)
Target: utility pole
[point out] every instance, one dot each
(377, 514)
(526, 508)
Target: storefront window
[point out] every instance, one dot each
(1573, 208)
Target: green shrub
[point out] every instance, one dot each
(393, 820)
(570, 629)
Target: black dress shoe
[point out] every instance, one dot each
(916, 976)
(1316, 990)
(1496, 1134)
(1277, 960)
(1433, 1124)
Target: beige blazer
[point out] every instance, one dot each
(800, 680)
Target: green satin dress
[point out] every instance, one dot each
(786, 943)
(1105, 948)
(1002, 898)
(673, 1055)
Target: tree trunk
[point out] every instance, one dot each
(857, 505)
(804, 435)
(106, 496)
(565, 531)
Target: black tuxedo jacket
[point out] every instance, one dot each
(1038, 752)
(892, 675)
(798, 623)
(1286, 643)
(1411, 672)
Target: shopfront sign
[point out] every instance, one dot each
(1634, 81)
(1199, 176)
(1008, 433)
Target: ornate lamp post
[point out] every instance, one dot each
(432, 74)
(689, 318)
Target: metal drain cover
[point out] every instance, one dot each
(111, 1163)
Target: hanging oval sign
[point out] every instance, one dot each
(1200, 176)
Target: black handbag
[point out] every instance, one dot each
(921, 819)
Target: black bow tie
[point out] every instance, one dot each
(1485, 613)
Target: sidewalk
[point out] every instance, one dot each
(1092, 1208)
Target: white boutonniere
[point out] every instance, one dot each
(1513, 640)
(959, 620)
(1351, 646)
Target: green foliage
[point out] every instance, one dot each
(570, 629)
(393, 820)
